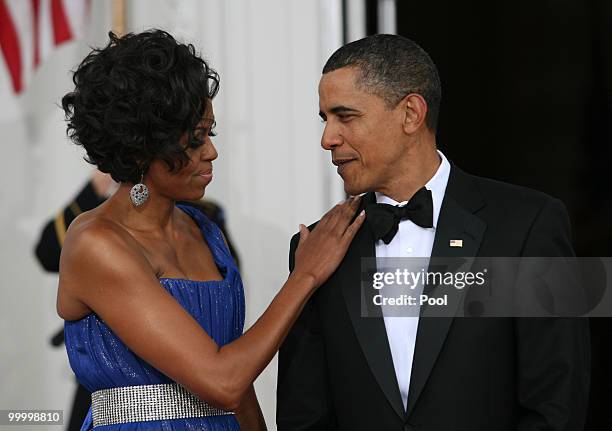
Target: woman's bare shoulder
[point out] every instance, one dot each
(95, 234)
(96, 249)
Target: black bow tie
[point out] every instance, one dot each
(384, 219)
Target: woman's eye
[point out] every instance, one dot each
(212, 131)
(196, 141)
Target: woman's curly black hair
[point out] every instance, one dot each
(134, 99)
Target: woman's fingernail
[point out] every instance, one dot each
(362, 213)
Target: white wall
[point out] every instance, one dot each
(271, 173)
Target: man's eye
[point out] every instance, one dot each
(345, 118)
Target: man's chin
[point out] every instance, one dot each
(353, 190)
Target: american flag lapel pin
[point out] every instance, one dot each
(456, 243)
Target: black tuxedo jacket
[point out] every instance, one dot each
(492, 374)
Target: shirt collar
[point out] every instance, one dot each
(437, 185)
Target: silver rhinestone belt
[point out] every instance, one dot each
(148, 403)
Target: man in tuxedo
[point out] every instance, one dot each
(339, 370)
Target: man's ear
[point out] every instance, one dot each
(414, 110)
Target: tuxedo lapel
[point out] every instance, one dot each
(370, 331)
(456, 222)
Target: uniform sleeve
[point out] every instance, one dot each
(49, 245)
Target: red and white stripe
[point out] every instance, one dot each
(31, 29)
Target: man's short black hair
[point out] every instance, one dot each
(392, 67)
(133, 101)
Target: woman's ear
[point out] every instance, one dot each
(414, 109)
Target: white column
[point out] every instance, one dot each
(356, 19)
(330, 39)
(387, 20)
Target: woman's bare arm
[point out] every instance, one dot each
(249, 414)
(104, 268)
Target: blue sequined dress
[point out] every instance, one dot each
(100, 360)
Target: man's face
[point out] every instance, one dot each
(364, 136)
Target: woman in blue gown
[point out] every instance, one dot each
(151, 296)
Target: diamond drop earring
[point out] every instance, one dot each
(139, 193)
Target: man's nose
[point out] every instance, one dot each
(331, 138)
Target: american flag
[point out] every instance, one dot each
(31, 29)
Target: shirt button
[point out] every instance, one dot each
(409, 250)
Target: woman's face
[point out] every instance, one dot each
(189, 183)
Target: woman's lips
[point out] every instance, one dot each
(207, 175)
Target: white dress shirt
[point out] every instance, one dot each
(410, 240)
